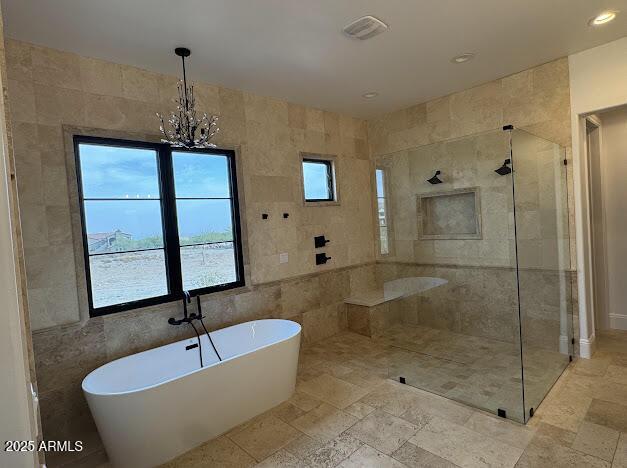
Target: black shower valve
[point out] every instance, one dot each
(321, 258)
(320, 241)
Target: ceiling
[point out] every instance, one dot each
(295, 50)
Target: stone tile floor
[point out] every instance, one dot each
(477, 371)
(346, 413)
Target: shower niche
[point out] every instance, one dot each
(455, 214)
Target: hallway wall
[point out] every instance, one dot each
(614, 198)
(597, 81)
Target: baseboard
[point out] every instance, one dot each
(587, 347)
(618, 322)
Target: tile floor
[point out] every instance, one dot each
(347, 413)
(480, 372)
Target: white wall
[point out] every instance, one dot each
(16, 415)
(614, 195)
(598, 77)
(17, 418)
(598, 80)
(597, 217)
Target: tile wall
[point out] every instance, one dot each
(53, 94)
(461, 136)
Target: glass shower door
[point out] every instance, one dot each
(543, 263)
(496, 333)
(460, 340)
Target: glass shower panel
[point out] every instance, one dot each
(460, 339)
(543, 255)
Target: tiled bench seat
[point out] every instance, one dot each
(369, 312)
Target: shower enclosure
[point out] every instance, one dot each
(499, 333)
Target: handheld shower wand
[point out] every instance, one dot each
(199, 343)
(187, 299)
(200, 317)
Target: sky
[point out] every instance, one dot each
(315, 177)
(130, 175)
(380, 182)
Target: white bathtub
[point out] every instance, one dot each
(152, 406)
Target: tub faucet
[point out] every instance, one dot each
(187, 318)
(187, 299)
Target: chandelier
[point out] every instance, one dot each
(184, 129)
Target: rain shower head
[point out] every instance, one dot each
(504, 169)
(435, 179)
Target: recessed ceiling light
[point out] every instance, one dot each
(602, 18)
(463, 58)
(370, 95)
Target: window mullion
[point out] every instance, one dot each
(170, 226)
(236, 234)
(330, 181)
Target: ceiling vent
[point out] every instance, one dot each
(365, 28)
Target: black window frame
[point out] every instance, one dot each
(330, 180)
(171, 243)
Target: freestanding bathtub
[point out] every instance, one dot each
(152, 406)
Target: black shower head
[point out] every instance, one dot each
(435, 179)
(504, 169)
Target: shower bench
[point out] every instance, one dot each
(369, 311)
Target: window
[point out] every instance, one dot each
(156, 221)
(318, 179)
(382, 213)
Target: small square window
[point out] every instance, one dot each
(318, 180)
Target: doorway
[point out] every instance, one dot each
(606, 146)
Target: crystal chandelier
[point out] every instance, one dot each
(184, 129)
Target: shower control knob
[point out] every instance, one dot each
(322, 258)
(320, 241)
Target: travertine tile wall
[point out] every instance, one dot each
(482, 301)
(65, 354)
(536, 100)
(480, 298)
(460, 135)
(8, 157)
(52, 93)
(465, 163)
(50, 89)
